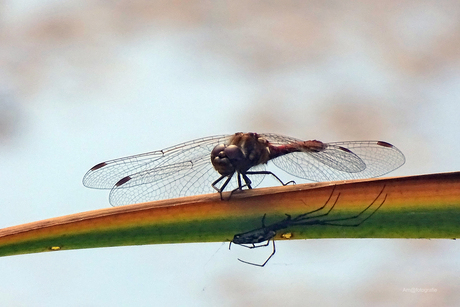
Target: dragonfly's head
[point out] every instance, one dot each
(224, 157)
(244, 150)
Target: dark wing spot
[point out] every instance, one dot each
(384, 144)
(98, 166)
(345, 149)
(123, 181)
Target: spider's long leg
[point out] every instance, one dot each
(332, 222)
(263, 264)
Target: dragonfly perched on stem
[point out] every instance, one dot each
(236, 161)
(266, 233)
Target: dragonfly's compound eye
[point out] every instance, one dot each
(218, 151)
(233, 152)
(220, 160)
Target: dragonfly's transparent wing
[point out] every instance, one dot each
(333, 155)
(173, 180)
(106, 174)
(169, 181)
(343, 161)
(277, 139)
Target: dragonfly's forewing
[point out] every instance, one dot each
(106, 174)
(177, 171)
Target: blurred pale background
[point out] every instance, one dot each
(81, 83)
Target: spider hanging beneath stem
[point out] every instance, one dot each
(268, 232)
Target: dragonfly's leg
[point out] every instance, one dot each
(247, 181)
(217, 181)
(221, 189)
(270, 173)
(240, 187)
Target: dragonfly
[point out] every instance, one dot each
(236, 161)
(267, 233)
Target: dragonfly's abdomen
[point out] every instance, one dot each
(307, 146)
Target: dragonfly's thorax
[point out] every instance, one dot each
(254, 236)
(243, 151)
